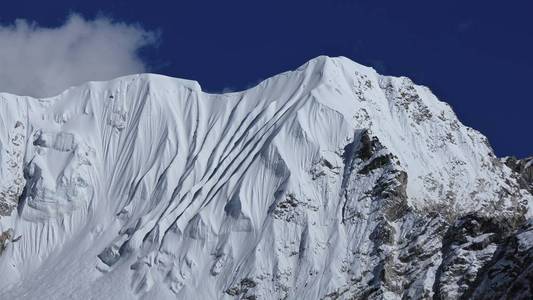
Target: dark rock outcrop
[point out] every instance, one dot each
(523, 167)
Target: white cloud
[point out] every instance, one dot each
(38, 61)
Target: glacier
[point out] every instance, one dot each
(327, 182)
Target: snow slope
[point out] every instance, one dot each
(330, 181)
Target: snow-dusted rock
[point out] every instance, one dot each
(523, 168)
(330, 181)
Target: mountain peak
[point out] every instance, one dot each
(319, 182)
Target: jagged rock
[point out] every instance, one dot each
(5, 238)
(509, 273)
(110, 255)
(524, 167)
(242, 289)
(468, 245)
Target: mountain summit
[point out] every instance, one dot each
(327, 182)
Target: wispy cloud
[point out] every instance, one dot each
(39, 61)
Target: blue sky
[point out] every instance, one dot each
(475, 55)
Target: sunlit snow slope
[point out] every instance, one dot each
(330, 181)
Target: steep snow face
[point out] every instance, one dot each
(327, 181)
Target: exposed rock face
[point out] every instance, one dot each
(468, 245)
(509, 273)
(5, 238)
(524, 167)
(328, 182)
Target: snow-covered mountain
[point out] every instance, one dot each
(327, 182)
